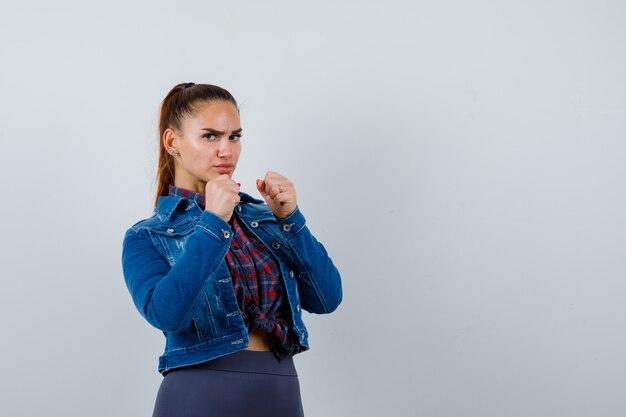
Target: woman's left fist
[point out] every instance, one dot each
(279, 194)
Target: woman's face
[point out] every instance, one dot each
(208, 145)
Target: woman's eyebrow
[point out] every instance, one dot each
(219, 132)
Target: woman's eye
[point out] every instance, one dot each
(209, 136)
(235, 137)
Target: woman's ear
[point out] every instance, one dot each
(170, 141)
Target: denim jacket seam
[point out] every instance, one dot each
(290, 235)
(174, 351)
(143, 226)
(210, 233)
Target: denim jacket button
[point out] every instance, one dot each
(226, 234)
(276, 245)
(287, 227)
(170, 231)
(254, 223)
(298, 308)
(291, 274)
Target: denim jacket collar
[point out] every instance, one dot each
(167, 205)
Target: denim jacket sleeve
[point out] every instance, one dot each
(166, 295)
(319, 282)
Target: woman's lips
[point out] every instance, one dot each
(225, 169)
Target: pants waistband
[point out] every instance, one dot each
(249, 361)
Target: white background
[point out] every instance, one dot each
(462, 161)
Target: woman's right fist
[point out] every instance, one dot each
(221, 196)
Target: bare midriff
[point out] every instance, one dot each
(260, 341)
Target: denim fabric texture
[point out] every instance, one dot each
(175, 269)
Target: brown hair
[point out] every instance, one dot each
(179, 103)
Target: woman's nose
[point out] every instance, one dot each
(225, 148)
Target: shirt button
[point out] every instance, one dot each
(170, 231)
(298, 308)
(287, 227)
(291, 274)
(254, 223)
(276, 245)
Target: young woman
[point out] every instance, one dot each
(224, 275)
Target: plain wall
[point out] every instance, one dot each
(462, 162)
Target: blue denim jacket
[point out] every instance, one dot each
(175, 270)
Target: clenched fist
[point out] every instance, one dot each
(279, 194)
(221, 196)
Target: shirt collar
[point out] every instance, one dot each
(188, 194)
